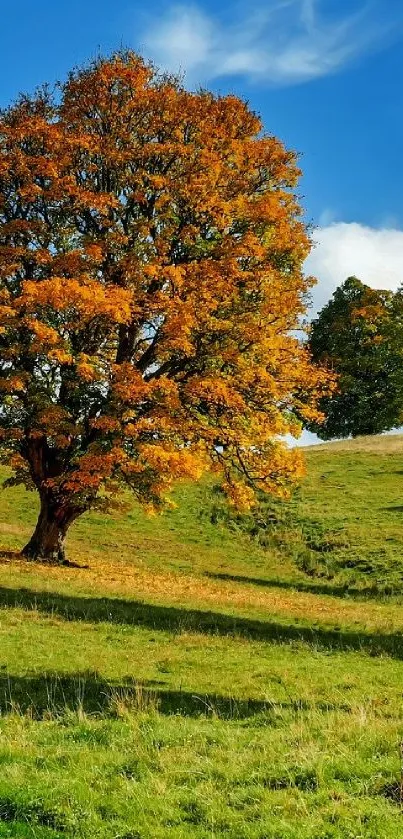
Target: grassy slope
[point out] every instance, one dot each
(190, 680)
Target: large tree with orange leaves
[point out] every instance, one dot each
(150, 287)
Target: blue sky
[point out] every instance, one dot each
(325, 75)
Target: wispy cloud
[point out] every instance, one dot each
(282, 42)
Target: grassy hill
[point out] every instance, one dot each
(205, 674)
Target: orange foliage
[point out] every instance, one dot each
(150, 288)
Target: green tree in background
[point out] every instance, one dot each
(359, 336)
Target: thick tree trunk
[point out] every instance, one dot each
(47, 541)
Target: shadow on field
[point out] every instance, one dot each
(53, 694)
(177, 620)
(346, 591)
(15, 556)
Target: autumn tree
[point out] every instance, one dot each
(150, 282)
(359, 335)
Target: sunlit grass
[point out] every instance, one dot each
(203, 674)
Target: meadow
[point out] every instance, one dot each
(208, 674)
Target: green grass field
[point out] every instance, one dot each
(206, 674)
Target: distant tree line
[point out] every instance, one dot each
(359, 336)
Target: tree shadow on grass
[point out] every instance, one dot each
(54, 693)
(345, 591)
(175, 619)
(7, 556)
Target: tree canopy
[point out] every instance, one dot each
(151, 246)
(359, 335)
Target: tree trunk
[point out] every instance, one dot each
(47, 541)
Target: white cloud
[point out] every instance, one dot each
(280, 42)
(182, 40)
(343, 250)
